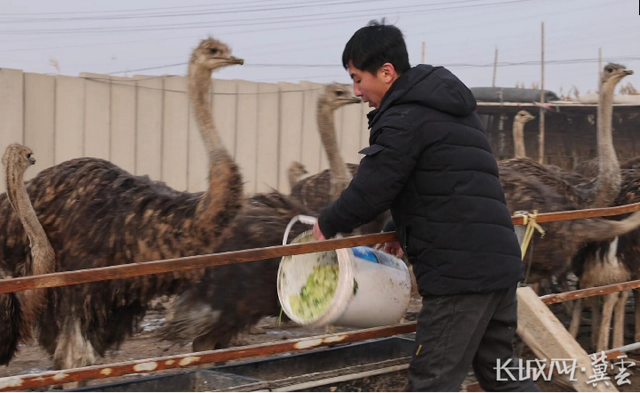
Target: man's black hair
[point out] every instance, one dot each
(376, 44)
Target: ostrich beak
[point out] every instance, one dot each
(236, 60)
(349, 100)
(628, 72)
(32, 160)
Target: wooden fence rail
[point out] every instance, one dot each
(209, 357)
(589, 292)
(193, 359)
(579, 214)
(83, 276)
(179, 264)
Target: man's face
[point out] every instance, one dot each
(371, 88)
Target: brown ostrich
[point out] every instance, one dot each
(96, 214)
(519, 152)
(602, 190)
(42, 259)
(613, 261)
(520, 119)
(589, 168)
(632, 163)
(317, 191)
(212, 314)
(233, 298)
(530, 186)
(610, 262)
(551, 255)
(16, 160)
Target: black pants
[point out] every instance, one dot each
(458, 331)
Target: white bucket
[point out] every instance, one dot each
(368, 293)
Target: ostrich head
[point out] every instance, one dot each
(336, 95)
(295, 172)
(19, 156)
(524, 116)
(213, 54)
(612, 74)
(297, 169)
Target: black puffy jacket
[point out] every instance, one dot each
(430, 162)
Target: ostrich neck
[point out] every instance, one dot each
(221, 202)
(328, 136)
(518, 139)
(199, 84)
(608, 182)
(19, 199)
(293, 178)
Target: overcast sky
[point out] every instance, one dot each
(303, 40)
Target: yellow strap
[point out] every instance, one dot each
(529, 220)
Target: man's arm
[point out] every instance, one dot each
(382, 174)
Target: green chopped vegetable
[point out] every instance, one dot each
(317, 292)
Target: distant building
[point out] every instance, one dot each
(570, 127)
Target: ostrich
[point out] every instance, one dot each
(610, 262)
(96, 214)
(16, 160)
(602, 190)
(334, 97)
(552, 254)
(205, 312)
(589, 168)
(295, 172)
(519, 121)
(317, 191)
(564, 239)
(632, 163)
(216, 310)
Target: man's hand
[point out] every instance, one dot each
(317, 233)
(393, 248)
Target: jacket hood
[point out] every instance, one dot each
(433, 87)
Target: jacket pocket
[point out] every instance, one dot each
(371, 150)
(365, 170)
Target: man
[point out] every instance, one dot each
(430, 162)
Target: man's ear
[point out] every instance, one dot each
(388, 73)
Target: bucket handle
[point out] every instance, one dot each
(309, 220)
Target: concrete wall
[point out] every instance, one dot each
(144, 124)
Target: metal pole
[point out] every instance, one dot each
(495, 68)
(541, 136)
(599, 68)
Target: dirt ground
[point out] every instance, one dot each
(144, 344)
(31, 359)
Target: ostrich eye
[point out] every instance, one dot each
(213, 51)
(339, 93)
